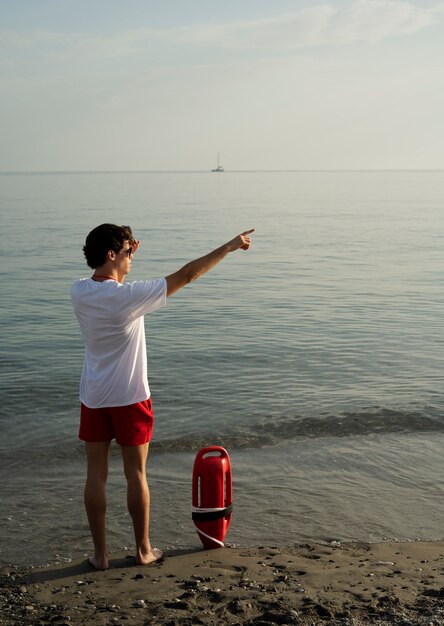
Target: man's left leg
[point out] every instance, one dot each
(95, 499)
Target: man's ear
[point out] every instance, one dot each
(111, 255)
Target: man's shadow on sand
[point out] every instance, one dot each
(84, 568)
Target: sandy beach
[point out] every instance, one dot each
(349, 584)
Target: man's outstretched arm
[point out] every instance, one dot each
(194, 269)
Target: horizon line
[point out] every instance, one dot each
(243, 171)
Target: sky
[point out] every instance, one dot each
(108, 85)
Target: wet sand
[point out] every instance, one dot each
(349, 584)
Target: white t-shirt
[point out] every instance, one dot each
(110, 315)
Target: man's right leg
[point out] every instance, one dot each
(134, 462)
(95, 499)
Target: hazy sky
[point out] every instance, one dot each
(270, 84)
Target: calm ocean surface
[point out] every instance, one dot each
(316, 358)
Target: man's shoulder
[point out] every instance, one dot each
(147, 295)
(79, 283)
(146, 284)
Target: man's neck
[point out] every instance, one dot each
(107, 271)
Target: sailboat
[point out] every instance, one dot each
(219, 167)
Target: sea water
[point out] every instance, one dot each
(315, 358)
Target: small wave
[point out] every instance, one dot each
(347, 424)
(252, 435)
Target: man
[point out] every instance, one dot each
(114, 391)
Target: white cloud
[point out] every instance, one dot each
(324, 24)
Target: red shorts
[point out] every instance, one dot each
(130, 425)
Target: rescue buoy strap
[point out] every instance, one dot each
(207, 516)
(219, 543)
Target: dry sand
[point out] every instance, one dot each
(348, 584)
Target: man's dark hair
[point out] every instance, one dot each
(102, 239)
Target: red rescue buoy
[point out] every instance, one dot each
(212, 495)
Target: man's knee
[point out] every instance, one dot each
(97, 476)
(134, 462)
(135, 476)
(97, 461)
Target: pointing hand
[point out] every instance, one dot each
(242, 241)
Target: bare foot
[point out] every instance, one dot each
(146, 559)
(99, 563)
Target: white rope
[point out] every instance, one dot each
(220, 543)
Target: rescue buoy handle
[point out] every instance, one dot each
(211, 450)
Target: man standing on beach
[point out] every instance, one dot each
(114, 391)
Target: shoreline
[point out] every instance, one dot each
(345, 584)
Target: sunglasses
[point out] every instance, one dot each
(128, 252)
